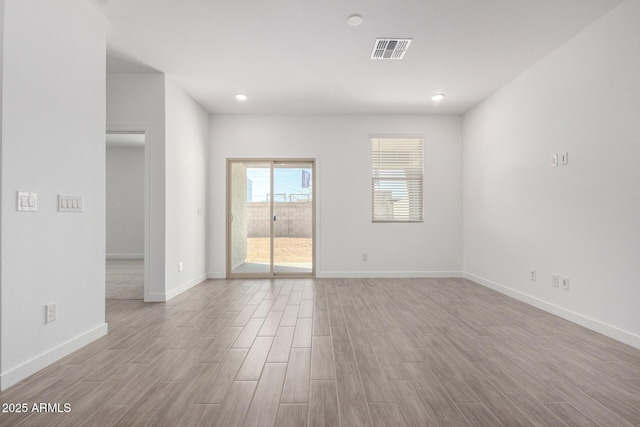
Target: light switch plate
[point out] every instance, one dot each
(70, 203)
(564, 158)
(27, 201)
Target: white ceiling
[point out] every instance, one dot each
(300, 56)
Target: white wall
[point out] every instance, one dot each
(187, 130)
(125, 202)
(53, 105)
(135, 101)
(580, 220)
(343, 177)
(177, 137)
(1, 173)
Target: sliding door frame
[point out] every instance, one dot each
(272, 273)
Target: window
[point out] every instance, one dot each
(396, 179)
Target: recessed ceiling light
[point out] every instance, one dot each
(241, 97)
(437, 97)
(354, 20)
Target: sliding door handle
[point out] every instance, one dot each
(230, 218)
(274, 218)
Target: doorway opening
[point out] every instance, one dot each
(126, 264)
(270, 218)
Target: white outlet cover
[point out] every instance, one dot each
(554, 161)
(555, 280)
(50, 312)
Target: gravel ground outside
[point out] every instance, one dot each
(286, 249)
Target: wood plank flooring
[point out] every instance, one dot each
(124, 279)
(337, 352)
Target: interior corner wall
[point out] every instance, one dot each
(344, 231)
(579, 220)
(187, 130)
(125, 202)
(136, 101)
(53, 102)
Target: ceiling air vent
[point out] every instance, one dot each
(390, 48)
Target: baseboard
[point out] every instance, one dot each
(185, 287)
(386, 274)
(30, 367)
(216, 275)
(577, 318)
(125, 256)
(164, 297)
(155, 298)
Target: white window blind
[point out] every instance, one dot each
(396, 179)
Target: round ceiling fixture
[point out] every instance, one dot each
(437, 97)
(241, 97)
(354, 20)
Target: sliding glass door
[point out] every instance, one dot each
(270, 218)
(249, 223)
(293, 217)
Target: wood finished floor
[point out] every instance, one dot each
(330, 352)
(124, 279)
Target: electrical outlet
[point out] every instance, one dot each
(554, 160)
(555, 280)
(565, 283)
(365, 257)
(179, 266)
(532, 274)
(50, 311)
